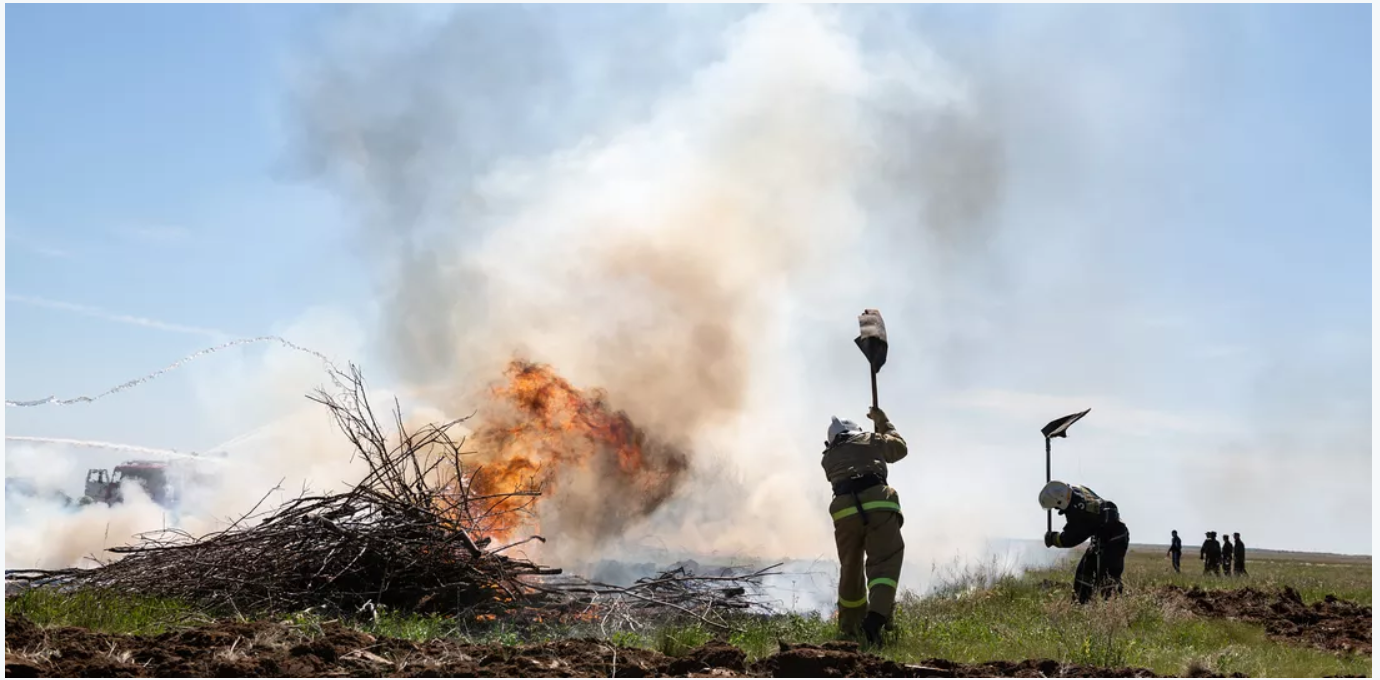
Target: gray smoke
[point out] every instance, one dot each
(658, 212)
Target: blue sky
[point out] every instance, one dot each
(151, 140)
(149, 181)
(1188, 199)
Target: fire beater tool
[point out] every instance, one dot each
(872, 341)
(1057, 428)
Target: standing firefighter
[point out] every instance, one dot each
(1176, 549)
(1226, 554)
(867, 521)
(1211, 554)
(1089, 516)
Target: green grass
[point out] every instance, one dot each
(1345, 578)
(1017, 618)
(104, 611)
(980, 614)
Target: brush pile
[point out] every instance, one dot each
(410, 536)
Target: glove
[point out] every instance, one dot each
(1050, 537)
(878, 418)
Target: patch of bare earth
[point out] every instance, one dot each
(263, 649)
(1333, 624)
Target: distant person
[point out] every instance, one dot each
(1089, 516)
(1211, 554)
(1176, 549)
(1239, 564)
(1226, 555)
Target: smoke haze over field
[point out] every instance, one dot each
(654, 254)
(687, 207)
(690, 215)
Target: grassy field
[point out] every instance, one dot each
(979, 615)
(1018, 618)
(1312, 574)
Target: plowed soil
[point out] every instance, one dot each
(262, 649)
(1333, 624)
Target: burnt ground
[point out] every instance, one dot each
(1333, 624)
(262, 649)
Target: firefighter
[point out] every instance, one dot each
(867, 522)
(1226, 554)
(1176, 549)
(1211, 554)
(1089, 516)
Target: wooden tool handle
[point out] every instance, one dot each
(1049, 514)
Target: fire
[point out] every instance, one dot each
(596, 472)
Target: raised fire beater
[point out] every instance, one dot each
(865, 510)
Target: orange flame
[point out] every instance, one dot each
(595, 470)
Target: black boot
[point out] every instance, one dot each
(872, 628)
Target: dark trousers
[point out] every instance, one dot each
(1175, 556)
(1101, 567)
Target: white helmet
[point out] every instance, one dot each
(839, 427)
(1055, 496)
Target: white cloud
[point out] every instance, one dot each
(37, 247)
(97, 313)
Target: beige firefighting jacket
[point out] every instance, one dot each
(861, 454)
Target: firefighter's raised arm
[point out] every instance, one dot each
(893, 446)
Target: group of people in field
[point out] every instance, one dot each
(1219, 559)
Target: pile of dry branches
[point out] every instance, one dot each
(402, 538)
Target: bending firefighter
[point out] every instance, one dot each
(867, 522)
(1089, 516)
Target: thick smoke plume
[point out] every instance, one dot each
(655, 233)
